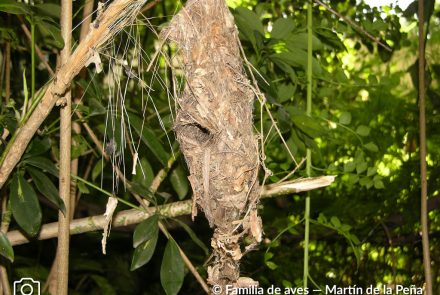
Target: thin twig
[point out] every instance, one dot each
(37, 49)
(7, 72)
(149, 5)
(422, 130)
(354, 25)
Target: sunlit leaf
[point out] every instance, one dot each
(250, 26)
(372, 147)
(282, 27)
(349, 166)
(271, 265)
(361, 167)
(363, 130)
(299, 40)
(335, 221)
(345, 118)
(297, 57)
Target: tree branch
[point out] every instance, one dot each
(133, 216)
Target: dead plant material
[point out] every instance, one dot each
(215, 130)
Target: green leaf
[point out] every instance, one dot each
(143, 253)
(372, 147)
(14, 7)
(268, 256)
(251, 19)
(250, 26)
(349, 166)
(308, 125)
(282, 27)
(335, 221)
(193, 236)
(104, 284)
(144, 172)
(6, 247)
(361, 167)
(80, 146)
(150, 139)
(285, 91)
(46, 187)
(82, 187)
(300, 40)
(353, 178)
(143, 191)
(378, 184)
(345, 118)
(37, 147)
(49, 9)
(43, 163)
(51, 31)
(297, 57)
(371, 171)
(97, 170)
(179, 181)
(330, 38)
(366, 181)
(146, 230)
(172, 270)
(271, 265)
(363, 130)
(25, 206)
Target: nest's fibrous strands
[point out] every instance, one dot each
(110, 22)
(125, 73)
(214, 127)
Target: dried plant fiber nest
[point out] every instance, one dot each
(215, 130)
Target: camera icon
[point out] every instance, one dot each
(26, 286)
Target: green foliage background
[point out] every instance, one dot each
(364, 129)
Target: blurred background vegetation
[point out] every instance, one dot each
(364, 129)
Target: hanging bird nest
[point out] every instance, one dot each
(215, 130)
